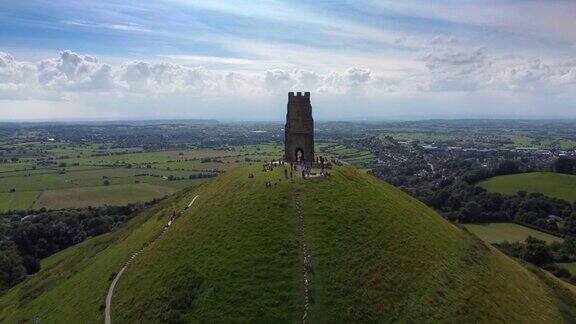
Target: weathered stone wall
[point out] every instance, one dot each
(299, 128)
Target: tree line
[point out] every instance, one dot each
(26, 237)
(458, 198)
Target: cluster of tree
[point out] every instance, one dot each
(467, 203)
(565, 165)
(457, 197)
(11, 160)
(28, 236)
(202, 175)
(211, 160)
(12, 269)
(505, 167)
(544, 255)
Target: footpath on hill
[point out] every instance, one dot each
(306, 261)
(108, 309)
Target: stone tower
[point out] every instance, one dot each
(299, 129)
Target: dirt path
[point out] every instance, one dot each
(193, 200)
(306, 261)
(110, 293)
(108, 310)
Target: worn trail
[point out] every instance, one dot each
(306, 261)
(108, 310)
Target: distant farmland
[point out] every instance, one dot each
(551, 184)
(104, 195)
(81, 178)
(96, 175)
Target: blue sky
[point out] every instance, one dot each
(236, 60)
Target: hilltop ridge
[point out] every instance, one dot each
(375, 254)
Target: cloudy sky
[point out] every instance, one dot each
(236, 60)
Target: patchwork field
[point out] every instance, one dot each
(542, 143)
(78, 176)
(91, 175)
(500, 232)
(551, 184)
(358, 158)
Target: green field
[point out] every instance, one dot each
(551, 184)
(105, 195)
(358, 158)
(526, 141)
(569, 266)
(76, 177)
(500, 232)
(18, 201)
(80, 182)
(377, 254)
(76, 173)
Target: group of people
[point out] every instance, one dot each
(269, 166)
(305, 168)
(323, 163)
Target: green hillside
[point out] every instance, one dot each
(551, 184)
(378, 255)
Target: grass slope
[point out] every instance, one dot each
(551, 184)
(378, 256)
(72, 284)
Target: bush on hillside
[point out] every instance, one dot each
(565, 165)
(536, 252)
(507, 167)
(12, 270)
(562, 273)
(532, 250)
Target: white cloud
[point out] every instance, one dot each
(440, 40)
(15, 77)
(158, 78)
(197, 59)
(133, 27)
(14, 72)
(71, 75)
(535, 19)
(462, 70)
(458, 70)
(538, 76)
(73, 72)
(354, 80)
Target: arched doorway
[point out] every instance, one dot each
(299, 155)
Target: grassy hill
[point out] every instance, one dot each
(235, 256)
(551, 184)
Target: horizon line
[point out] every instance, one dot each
(233, 120)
